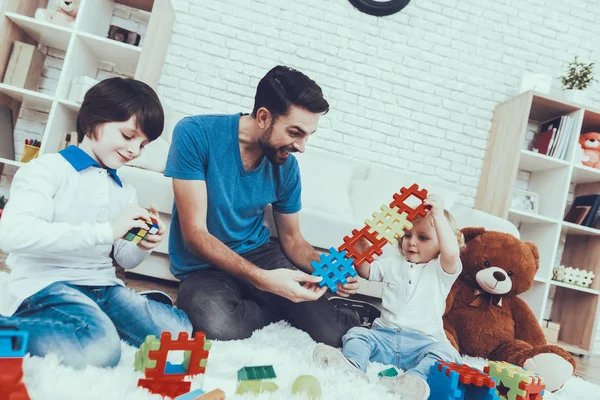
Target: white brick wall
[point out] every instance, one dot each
(414, 90)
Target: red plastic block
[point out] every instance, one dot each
(165, 387)
(375, 247)
(195, 346)
(534, 389)
(400, 198)
(468, 375)
(11, 386)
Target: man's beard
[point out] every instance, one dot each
(269, 150)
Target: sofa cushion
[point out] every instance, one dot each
(325, 183)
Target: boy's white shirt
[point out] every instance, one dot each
(414, 295)
(56, 228)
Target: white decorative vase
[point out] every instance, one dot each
(538, 82)
(574, 95)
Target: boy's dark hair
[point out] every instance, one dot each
(283, 87)
(117, 100)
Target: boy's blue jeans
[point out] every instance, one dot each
(84, 325)
(408, 350)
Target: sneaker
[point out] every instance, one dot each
(158, 296)
(408, 386)
(366, 312)
(327, 356)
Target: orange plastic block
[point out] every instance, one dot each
(468, 375)
(400, 198)
(165, 387)
(367, 255)
(197, 347)
(11, 385)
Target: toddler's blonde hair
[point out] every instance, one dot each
(451, 221)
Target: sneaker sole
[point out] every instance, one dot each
(328, 356)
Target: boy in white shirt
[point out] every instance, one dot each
(410, 333)
(68, 213)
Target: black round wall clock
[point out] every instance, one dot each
(380, 8)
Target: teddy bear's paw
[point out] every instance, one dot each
(553, 368)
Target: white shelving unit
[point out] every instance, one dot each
(574, 307)
(85, 46)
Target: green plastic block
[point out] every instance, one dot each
(390, 372)
(256, 387)
(256, 373)
(142, 361)
(307, 385)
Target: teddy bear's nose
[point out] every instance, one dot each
(499, 276)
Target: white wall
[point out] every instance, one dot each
(415, 90)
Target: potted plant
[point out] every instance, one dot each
(578, 77)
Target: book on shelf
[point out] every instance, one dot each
(555, 137)
(584, 210)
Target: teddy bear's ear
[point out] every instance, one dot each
(536, 254)
(471, 233)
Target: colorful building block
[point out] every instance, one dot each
(13, 343)
(390, 373)
(165, 387)
(193, 395)
(308, 386)
(334, 268)
(515, 383)
(375, 247)
(451, 381)
(256, 387)
(13, 347)
(198, 347)
(141, 356)
(199, 394)
(389, 223)
(137, 234)
(256, 373)
(400, 202)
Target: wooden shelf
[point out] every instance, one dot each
(121, 54)
(574, 229)
(44, 33)
(28, 98)
(529, 218)
(11, 162)
(532, 161)
(574, 287)
(71, 105)
(583, 174)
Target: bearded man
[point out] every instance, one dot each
(226, 169)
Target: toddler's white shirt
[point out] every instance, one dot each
(414, 295)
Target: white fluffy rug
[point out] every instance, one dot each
(289, 351)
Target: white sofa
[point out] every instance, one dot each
(338, 194)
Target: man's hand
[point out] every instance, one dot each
(132, 216)
(152, 241)
(349, 288)
(287, 283)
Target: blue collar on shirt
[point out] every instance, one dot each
(80, 160)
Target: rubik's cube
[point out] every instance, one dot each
(137, 234)
(386, 226)
(165, 378)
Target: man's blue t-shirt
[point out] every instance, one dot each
(207, 148)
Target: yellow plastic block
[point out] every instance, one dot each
(389, 223)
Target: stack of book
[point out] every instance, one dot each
(555, 137)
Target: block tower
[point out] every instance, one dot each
(386, 226)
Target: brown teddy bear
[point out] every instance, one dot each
(485, 318)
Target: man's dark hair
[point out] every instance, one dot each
(117, 100)
(283, 87)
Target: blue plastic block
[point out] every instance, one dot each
(444, 387)
(191, 395)
(334, 268)
(171, 369)
(13, 344)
